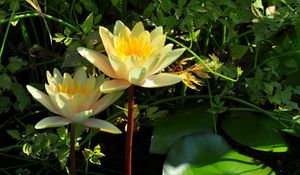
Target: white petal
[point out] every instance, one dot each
(99, 60)
(169, 59)
(67, 80)
(161, 80)
(51, 122)
(107, 40)
(64, 103)
(42, 98)
(163, 53)
(57, 76)
(80, 76)
(138, 29)
(102, 125)
(118, 26)
(119, 67)
(106, 101)
(158, 43)
(51, 81)
(90, 83)
(114, 85)
(136, 75)
(156, 32)
(82, 116)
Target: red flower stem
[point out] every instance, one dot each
(72, 149)
(129, 134)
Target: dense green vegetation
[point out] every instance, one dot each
(235, 112)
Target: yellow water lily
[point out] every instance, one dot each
(74, 99)
(135, 57)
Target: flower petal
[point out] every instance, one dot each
(136, 75)
(158, 43)
(171, 57)
(156, 32)
(118, 26)
(99, 60)
(106, 101)
(160, 80)
(82, 116)
(80, 76)
(102, 125)
(42, 98)
(107, 40)
(57, 75)
(114, 85)
(50, 122)
(64, 103)
(119, 67)
(137, 29)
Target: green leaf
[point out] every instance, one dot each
(58, 37)
(4, 104)
(209, 154)
(182, 122)
(5, 82)
(14, 134)
(87, 25)
(238, 51)
(256, 131)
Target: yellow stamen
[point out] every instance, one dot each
(73, 88)
(137, 46)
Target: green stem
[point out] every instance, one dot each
(206, 42)
(35, 14)
(129, 134)
(72, 149)
(7, 29)
(201, 61)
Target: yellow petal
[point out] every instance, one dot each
(160, 80)
(99, 60)
(106, 101)
(50, 122)
(102, 125)
(114, 85)
(42, 98)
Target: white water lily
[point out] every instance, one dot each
(74, 100)
(135, 57)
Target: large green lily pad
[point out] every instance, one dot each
(209, 154)
(256, 131)
(182, 122)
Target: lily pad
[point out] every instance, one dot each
(180, 123)
(256, 131)
(209, 154)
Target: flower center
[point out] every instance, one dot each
(71, 89)
(137, 46)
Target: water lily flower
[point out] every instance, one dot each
(74, 100)
(135, 57)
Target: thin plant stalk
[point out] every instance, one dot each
(72, 150)
(129, 134)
